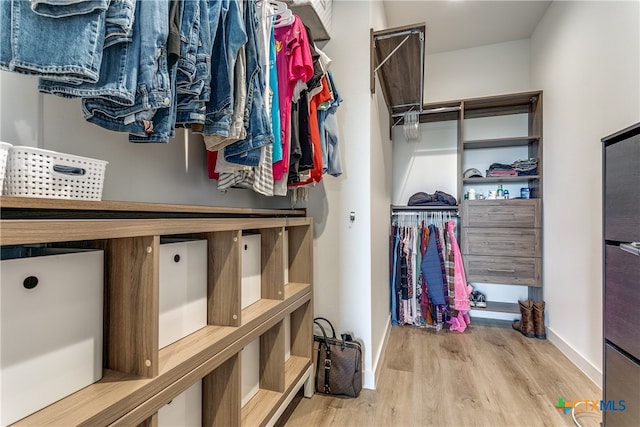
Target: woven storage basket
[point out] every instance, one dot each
(35, 172)
(4, 154)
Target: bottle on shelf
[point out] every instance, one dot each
(500, 192)
(506, 194)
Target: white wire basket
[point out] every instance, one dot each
(4, 154)
(34, 172)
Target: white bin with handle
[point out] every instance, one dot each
(185, 410)
(183, 289)
(51, 326)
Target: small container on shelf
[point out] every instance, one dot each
(472, 194)
(34, 172)
(4, 154)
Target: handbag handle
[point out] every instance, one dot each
(333, 331)
(324, 333)
(327, 350)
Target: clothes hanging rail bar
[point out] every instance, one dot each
(430, 111)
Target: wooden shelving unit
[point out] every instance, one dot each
(138, 377)
(502, 239)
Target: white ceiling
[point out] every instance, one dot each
(461, 24)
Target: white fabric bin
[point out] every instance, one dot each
(251, 269)
(287, 337)
(51, 303)
(183, 289)
(286, 257)
(250, 370)
(315, 14)
(185, 410)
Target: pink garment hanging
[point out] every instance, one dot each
(462, 290)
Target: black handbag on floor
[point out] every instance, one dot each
(338, 362)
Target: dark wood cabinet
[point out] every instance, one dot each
(621, 281)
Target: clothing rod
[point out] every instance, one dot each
(398, 34)
(417, 213)
(431, 111)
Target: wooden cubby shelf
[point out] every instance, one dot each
(498, 179)
(500, 142)
(497, 306)
(139, 378)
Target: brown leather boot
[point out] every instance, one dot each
(538, 320)
(525, 324)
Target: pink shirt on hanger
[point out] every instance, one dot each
(293, 63)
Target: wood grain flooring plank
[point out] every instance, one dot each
(487, 376)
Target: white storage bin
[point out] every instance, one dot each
(315, 14)
(183, 289)
(4, 154)
(250, 370)
(50, 326)
(285, 257)
(34, 172)
(185, 410)
(287, 338)
(251, 269)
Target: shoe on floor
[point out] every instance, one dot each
(525, 324)
(480, 300)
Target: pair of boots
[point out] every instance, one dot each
(531, 323)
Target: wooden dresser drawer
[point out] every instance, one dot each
(505, 270)
(519, 242)
(502, 213)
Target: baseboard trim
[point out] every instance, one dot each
(589, 369)
(371, 376)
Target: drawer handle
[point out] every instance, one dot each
(497, 270)
(501, 243)
(632, 248)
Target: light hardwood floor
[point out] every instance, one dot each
(488, 376)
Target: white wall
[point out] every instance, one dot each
(351, 259)
(170, 173)
(381, 175)
(342, 258)
(586, 58)
(427, 164)
(482, 71)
